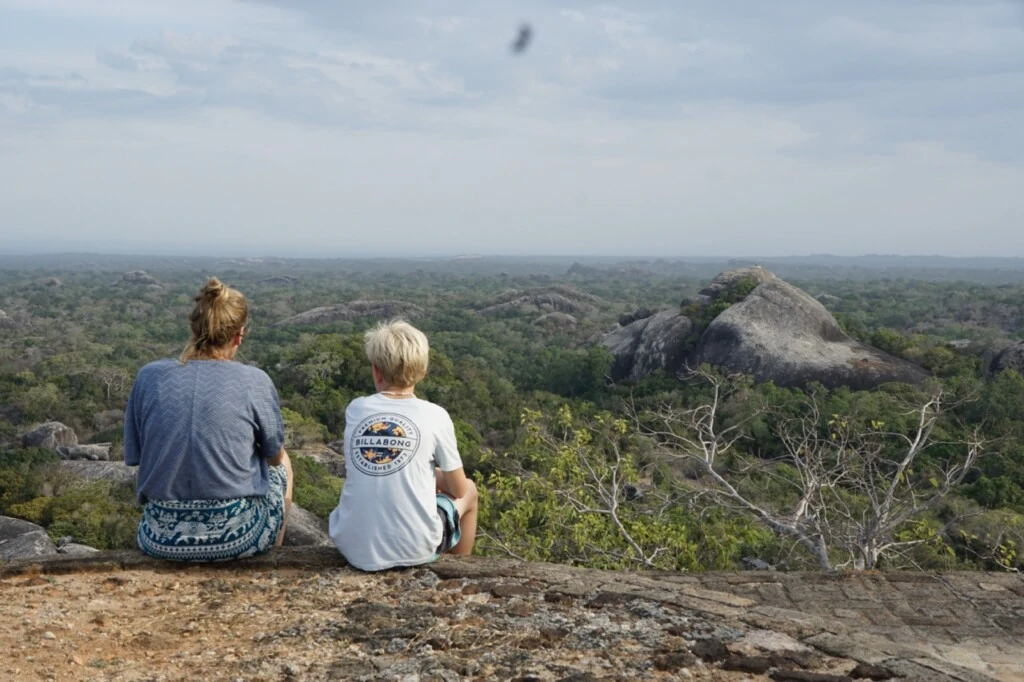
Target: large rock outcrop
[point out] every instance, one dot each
(1011, 357)
(771, 330)
(353, 310)
(779, 333)
(554, 299)
(648, 344)
(138, 277)
(50, 436)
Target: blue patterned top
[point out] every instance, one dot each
(201, 430)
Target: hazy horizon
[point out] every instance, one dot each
(310, 129)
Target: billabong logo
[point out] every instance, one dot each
(383, 444)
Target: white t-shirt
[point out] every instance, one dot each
(387, 515)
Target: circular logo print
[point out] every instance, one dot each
(383, 444)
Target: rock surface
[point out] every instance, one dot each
(352, 311)
(554, 299)
(23, 540)
(730, 279)
(68, 547)
(49, 436)
(779, 333)
(305, 529)
(7, 322)
(775, 333)
(649, 344)
(555, 321)
(115, 472)
(138, 277)
(1011, 357)
(300, 614)
(92, 452)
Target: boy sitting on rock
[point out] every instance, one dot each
(406, 498)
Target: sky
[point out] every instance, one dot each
(409, 128)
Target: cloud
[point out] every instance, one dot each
(785, 127)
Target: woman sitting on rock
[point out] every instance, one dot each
(206, 433)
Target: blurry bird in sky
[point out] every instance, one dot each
(522, 40)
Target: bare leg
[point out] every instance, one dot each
(286, 462)
(467, 506)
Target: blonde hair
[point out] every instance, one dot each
(220, 313)
(399, 351)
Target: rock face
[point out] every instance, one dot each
(50, 435)
(730, 279)
(95, 452)
(138, 277)
(23, 540)
(305, 529)
(648, 344)
(1011, 357)
(115, 472)
(555, 321)
(556, 299)
(775, 333)
(7, 322)
(779, 333)
(352, 311)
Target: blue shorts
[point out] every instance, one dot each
(214, 530)
(450, 520)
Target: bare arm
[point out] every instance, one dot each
(277, 459)
(454, 483)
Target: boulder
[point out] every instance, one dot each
(23, 540)
(49, 435)
(626, 319)
(94, 452)
(648, 344)
(115, 472)
(779, 333)
(138, 277)
(67, 545)
(11, 527)
(305, 528)
(772, 331)
(1011, 357)
(331, 456)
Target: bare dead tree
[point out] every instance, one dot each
(853, 486)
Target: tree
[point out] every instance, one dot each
(845, 487)
(571, 490)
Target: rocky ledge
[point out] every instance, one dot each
(300, 614)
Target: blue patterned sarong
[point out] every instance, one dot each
(214, 530)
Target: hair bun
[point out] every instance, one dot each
(213, 291)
